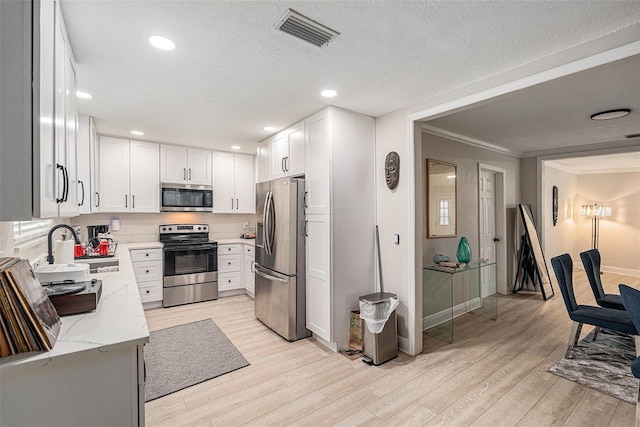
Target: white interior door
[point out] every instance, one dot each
(487, 193)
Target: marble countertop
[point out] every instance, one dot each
(118, 321)
(250, 242)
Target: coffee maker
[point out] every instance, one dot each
(94, 230)
(100, 242)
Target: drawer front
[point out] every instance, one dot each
(228, 263)
(151, 292)
(230, 281)
(147, 271)
(146, 255)
(249, 250)
(229, 249)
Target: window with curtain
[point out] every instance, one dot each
(24, 231)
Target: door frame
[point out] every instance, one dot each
(501, 223)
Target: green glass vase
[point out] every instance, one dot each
(463, 254)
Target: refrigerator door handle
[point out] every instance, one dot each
(272, 222)
(265, 223)
(260, 273)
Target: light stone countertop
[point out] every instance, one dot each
(118, 321)
(250, 242)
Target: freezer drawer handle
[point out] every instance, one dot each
(270, 277)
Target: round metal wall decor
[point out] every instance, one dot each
(392, 169)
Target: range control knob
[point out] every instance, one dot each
(164, 228)
(199, 228)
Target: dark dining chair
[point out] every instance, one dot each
(591, 261)
(631, 300)
(600, 317)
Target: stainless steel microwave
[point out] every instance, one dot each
(186, 198)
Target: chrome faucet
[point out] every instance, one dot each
(54, 228)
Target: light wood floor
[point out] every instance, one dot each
(494, 374)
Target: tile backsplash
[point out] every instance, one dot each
(137, 227)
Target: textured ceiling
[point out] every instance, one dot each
(232, 73)
(611, 163)
(556, 113)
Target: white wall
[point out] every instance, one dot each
(619, 241)
(559, 239)
(401, 266)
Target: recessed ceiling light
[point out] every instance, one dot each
(137, 132)
(83, 95)
(328, 93)
(162, 42)
(235, 147)
(611, 114)
(269, 128)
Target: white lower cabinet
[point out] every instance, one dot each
(249, 272)
(147, 267)
(230, 267)
(318, 275)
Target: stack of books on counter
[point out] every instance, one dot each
(28, 321)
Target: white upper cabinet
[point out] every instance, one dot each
(294, 163)
(184, 165)
(85, 150)
(38, 104)
(318, 177)
(233, 183)
(144, 176)
(129, 176)
(283, 154)
(114, 174)
(264, 161)
(55, 139)
(244, 183)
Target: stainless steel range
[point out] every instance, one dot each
(190, 264)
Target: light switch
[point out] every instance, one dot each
(396, 239)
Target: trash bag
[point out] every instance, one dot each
(376, 314)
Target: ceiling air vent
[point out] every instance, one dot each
(306, 29)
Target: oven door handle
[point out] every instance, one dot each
(182, 248)
(261, 273)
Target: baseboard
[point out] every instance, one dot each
(403, 344)
(443, 316)
(333, 346)
(619, 270)
(615, 270)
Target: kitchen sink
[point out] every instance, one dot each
(101, 264)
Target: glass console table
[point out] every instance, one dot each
(450, 292)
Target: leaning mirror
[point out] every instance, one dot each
(441, 199)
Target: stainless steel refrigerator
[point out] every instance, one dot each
(280, 257)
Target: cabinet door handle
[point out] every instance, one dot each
(61, 199)
(66, 183)
(189, 174)
(282, 165)
(147, 291)
(184, 173)
(133, 201)
(147, 271)
(146, 254)
(304, 202)
(126, 200)
(237, 205)
(231, 204)
(82, 202)
(305, 229)
(97, 199)
(286, 164)
(252, 267)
